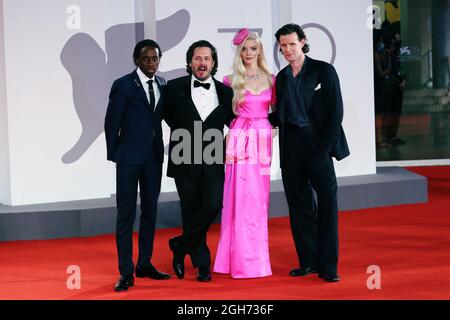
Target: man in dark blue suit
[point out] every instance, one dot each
(309, 112)
(134, 142)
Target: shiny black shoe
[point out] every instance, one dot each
(151, 272)
(124, 283)
(301, 272)
(329, 277)
(178, 259)
(204, 276)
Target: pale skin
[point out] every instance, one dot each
(292, 49)
(202, 63)
(249, 55)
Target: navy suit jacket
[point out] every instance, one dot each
(323, 99)
(132, 130)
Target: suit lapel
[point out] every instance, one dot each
(188, 93)
(282, 94)
(161, 87)
(220, 96)
(309, 84)
(140, 89)
(220, 92)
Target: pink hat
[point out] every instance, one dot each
(240, 36)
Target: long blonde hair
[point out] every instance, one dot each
(238, 77)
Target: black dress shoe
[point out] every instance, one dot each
(329, 277)
(301, 272)
(151, 272)
(178, 259)
(124, 283)
(204, 276)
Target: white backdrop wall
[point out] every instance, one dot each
(217, 22)
(62, 56)
(44, 122)
(346, 20)
(5, 195)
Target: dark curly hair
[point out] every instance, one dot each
(143, 44)
(291, 28)
(199, 44)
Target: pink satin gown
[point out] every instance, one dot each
(243, 249)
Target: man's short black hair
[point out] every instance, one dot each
(143, 44)
(199, 44)
(291, 28)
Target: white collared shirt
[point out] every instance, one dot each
(143, 78)
(204, 100)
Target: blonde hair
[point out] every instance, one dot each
(237, 79)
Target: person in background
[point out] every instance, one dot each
(398, 83)
(382, 81)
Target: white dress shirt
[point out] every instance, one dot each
(144, 80)
(204, 100)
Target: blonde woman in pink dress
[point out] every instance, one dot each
(243, 250)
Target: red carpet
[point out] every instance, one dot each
(410, 244)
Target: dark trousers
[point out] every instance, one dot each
(148, 176)
(200, 255)
(314, 226)
(201, 202)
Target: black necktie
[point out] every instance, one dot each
(201, 84)
(152, 94)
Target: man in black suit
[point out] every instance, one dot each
(196, 108)
(134, 142)
(309, 113)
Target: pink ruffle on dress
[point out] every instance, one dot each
(243, 249)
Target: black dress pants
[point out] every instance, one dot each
(201, 201)
(307, 167)
(148, 176)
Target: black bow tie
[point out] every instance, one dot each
(201, 84)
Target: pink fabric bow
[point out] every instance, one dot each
(240, 36)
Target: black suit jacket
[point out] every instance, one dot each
(324, 106)
(132, 130)
(179, 112)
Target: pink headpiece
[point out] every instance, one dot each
(240, 36)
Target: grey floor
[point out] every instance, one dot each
(427, 136)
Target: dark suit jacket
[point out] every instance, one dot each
(179, 112)
(133, 131)
(324, 107)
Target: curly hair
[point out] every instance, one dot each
(190, 55)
